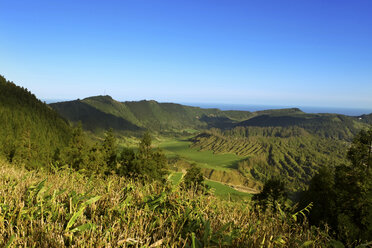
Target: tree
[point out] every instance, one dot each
(147, 162)
(360, 152)
(194, 179)
(273, 193)
(322, 194)
(96, 160)
(126, 162)
(109, 149)
(144, 149)
(75, 155)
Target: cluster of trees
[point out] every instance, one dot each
(273, 195)
(342, 196)
(105, 158)
(194, 180)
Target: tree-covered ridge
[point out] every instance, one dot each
(365, 118)
(30, 130)
(144, 115)
(103, 112)
(92, 118)
(324, 125)
(287, 152)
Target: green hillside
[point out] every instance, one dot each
(325, 125)
(92, 118)
(365, 118)
(102, 112)
(30, 130)
(289, 153)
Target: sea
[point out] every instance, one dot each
(306, 109)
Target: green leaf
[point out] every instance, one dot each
(80, 212)
(74, 218)
(92, 200)
(84, 227)
(307, 243)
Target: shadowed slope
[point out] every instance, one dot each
(92, 118)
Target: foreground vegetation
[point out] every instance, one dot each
(66, 208)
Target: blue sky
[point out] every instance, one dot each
(295, 53)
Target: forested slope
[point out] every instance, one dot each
(325, 125)
(144, 115)
(290, 153)
(30, 130)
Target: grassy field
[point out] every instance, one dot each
(206, 159)
(220, 190)
(226, 192)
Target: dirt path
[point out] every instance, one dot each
(238, 187)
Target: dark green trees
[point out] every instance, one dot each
(272, 194)
(322, 194)
(97, 158)
(147, 162)
(30, 131)
(194, 179)
(127, 162)
(342, 197)
(76, 154)
(110, 150)
(360, 153)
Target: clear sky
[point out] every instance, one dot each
(300, 52)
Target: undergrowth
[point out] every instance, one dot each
(65, 208)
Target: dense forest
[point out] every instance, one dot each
(30, 130)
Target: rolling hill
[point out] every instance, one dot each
(102, 112)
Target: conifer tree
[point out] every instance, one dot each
(109, 150)
(76, 152)
(150, 163)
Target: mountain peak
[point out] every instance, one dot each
(100, 98)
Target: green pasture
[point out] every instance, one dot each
(176, 177)
(226, 192)
(220, 190)
(205, 159)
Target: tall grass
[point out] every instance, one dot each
(65, 208)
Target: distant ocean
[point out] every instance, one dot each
(306, 109)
